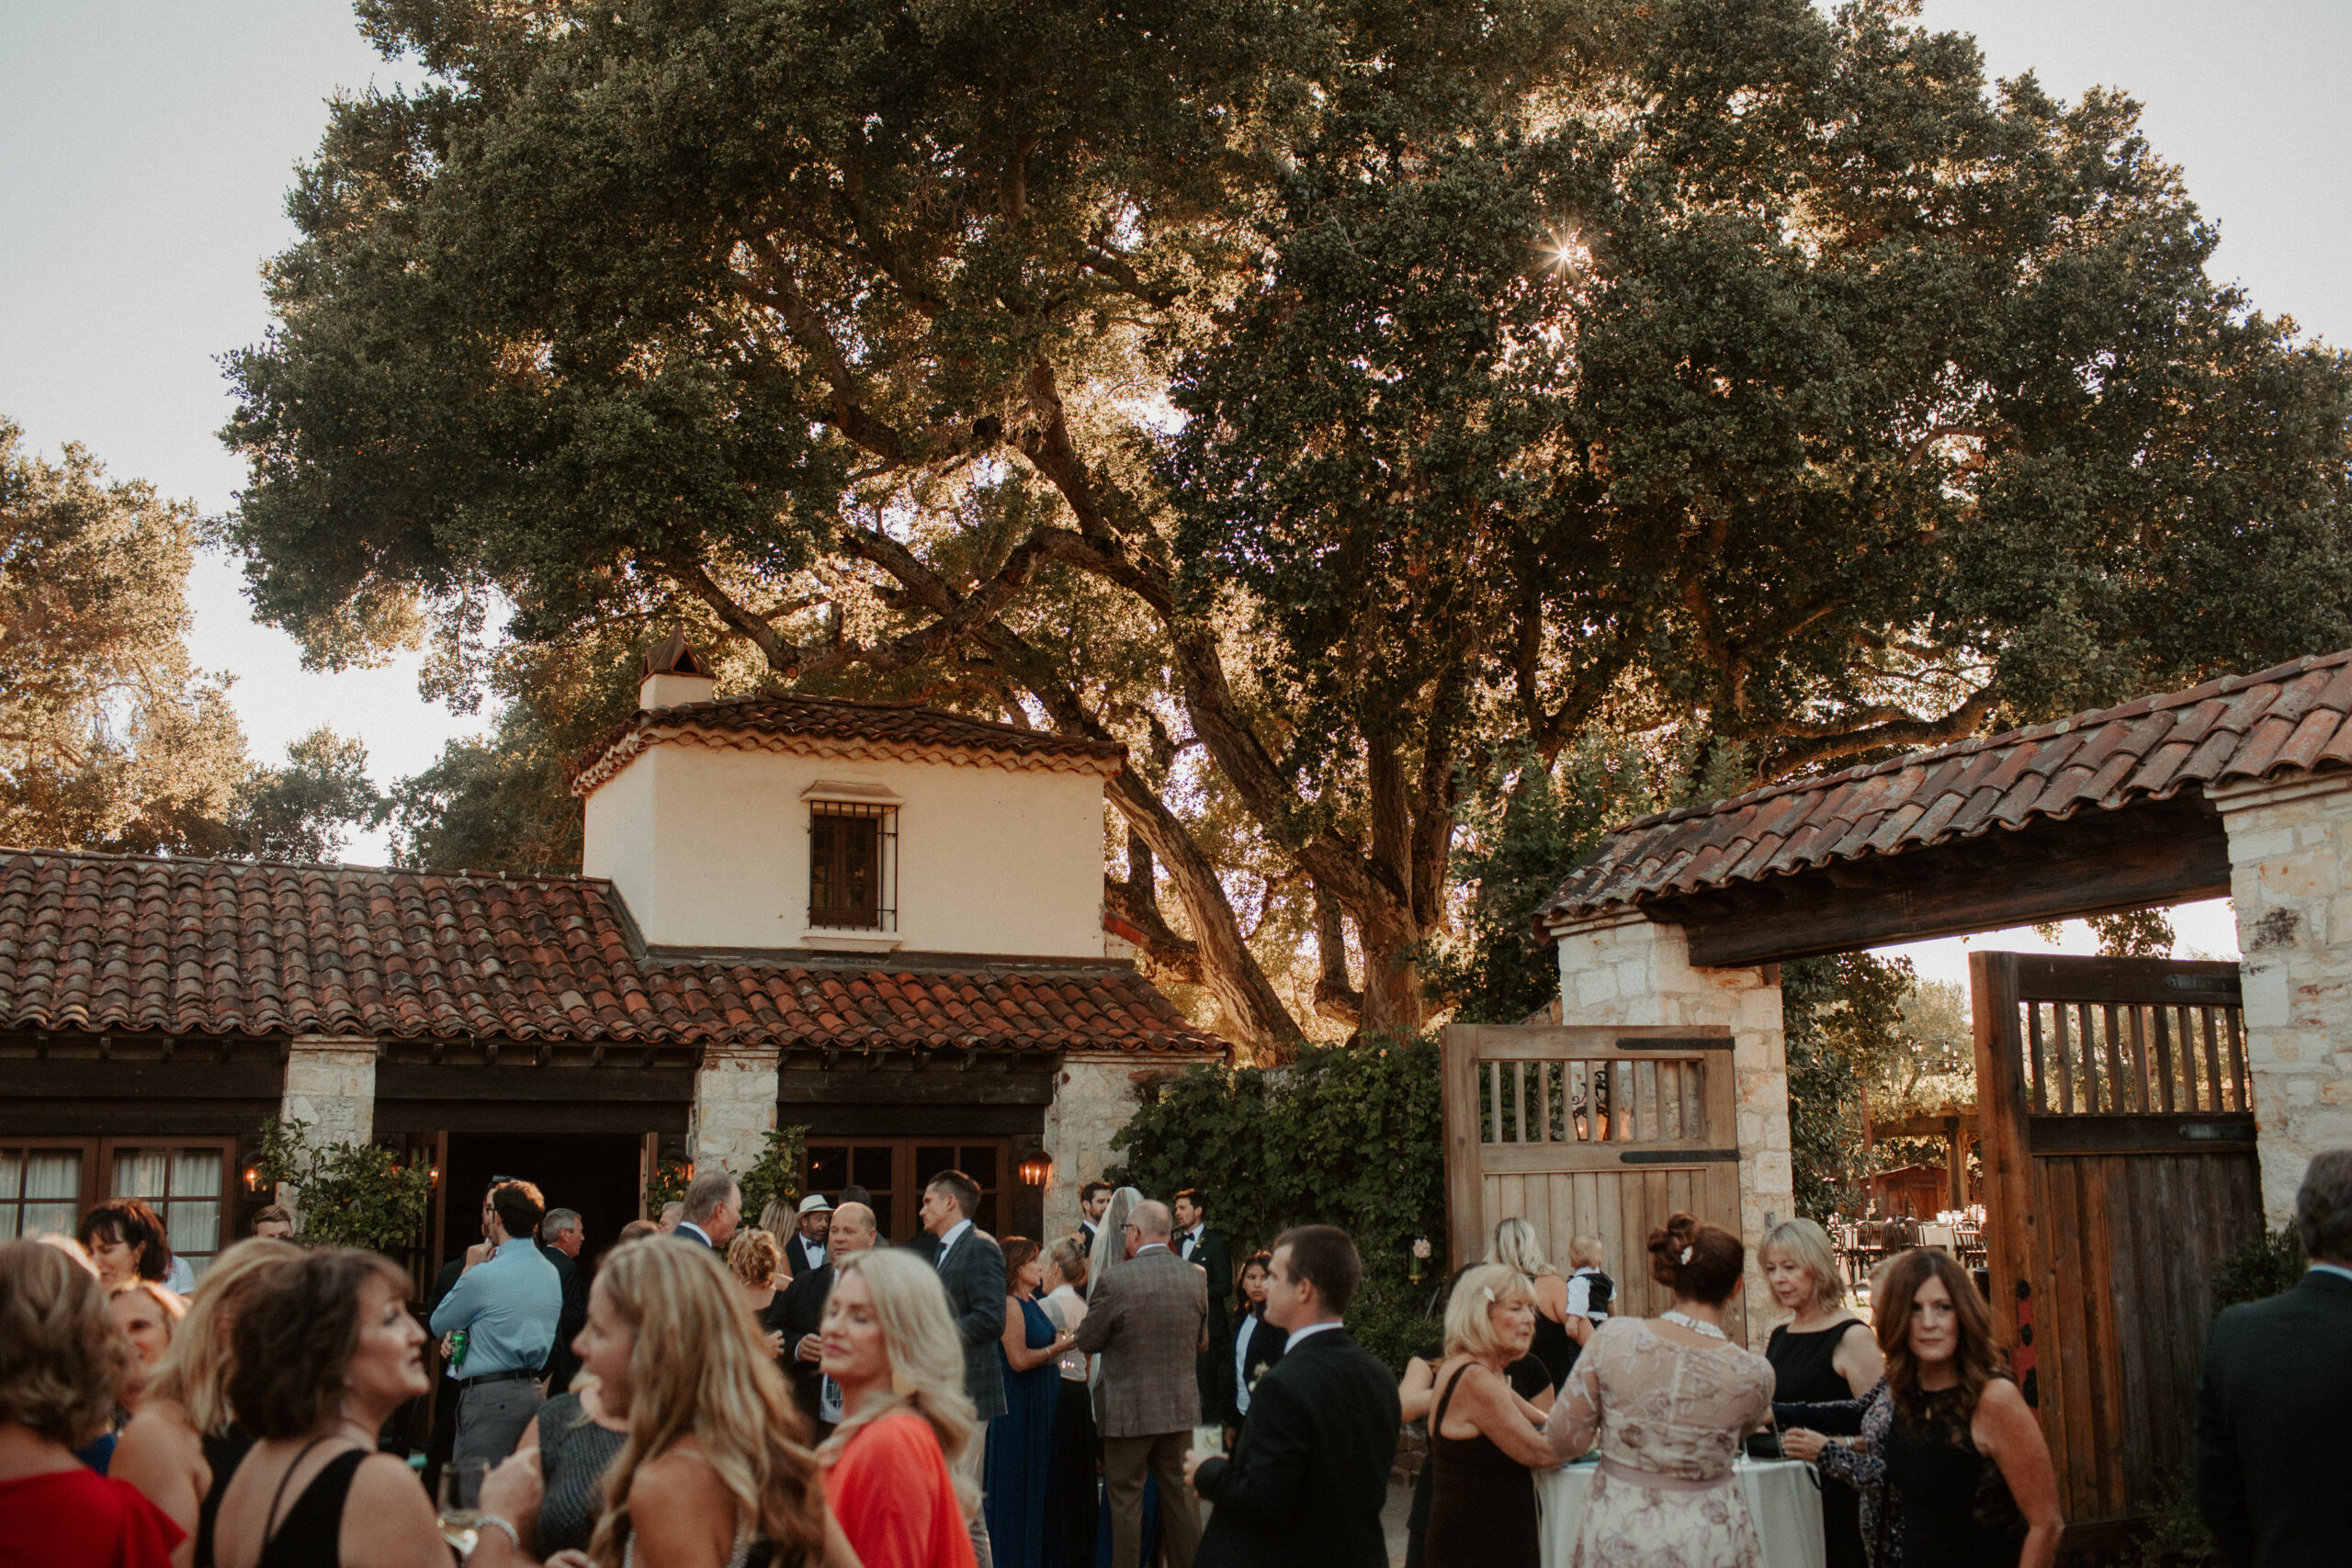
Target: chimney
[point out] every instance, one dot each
(675, 673)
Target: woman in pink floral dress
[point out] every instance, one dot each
(1669, 1398)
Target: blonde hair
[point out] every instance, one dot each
(1469, 1320)
(62, 1365)
(753, 1256)
(779, 1216)
(1806, 1245)
(1585, 1252)
(194, 1372)
(1067, 1260)
(701, 1368)
(1516, 1247)
(926, 1358)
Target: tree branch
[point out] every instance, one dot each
(1906, 731)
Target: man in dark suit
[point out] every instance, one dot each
(1195, 1243)
(803, 1315)
(1304, 1486)
(2274, 1406)
(807, 1249)
(560, 1235)
(971, 1265)
(1148, 1320)
(1093, 1198)
(713, 1209)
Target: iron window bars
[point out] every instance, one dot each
(853, 866)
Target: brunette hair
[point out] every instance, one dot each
(1697, 1261)
(1325, 1257)
(637, 1230)
(291, 1341)
(62, 1366)
(1018, 1252)
(519, 1207)
(271, 1213)
(1976, 1356)
(960, 1187)
(752, 1256)
(128, 1221)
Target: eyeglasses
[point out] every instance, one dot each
(1131, 1228)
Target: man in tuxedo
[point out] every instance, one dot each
(971, 1265)
(1304, 1486)
(803, 1315)
(714, 1208)
(560, 1235)
(1148, 1322)
(1196, 1244)
(1093, 1198)
(807, 1250)
(2274, 1443)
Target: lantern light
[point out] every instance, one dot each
(1037, 1169)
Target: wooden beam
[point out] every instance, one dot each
(2093, 862)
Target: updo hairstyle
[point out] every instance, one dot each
(1698, 1261)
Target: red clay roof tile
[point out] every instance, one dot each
(2242, 729)
(143, 945)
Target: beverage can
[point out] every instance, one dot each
(457, 1350)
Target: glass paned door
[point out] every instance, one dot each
(978, 1161)
(185, 1185)
(41, 1190)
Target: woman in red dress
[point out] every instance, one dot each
(888, 1343)
(64, 1367)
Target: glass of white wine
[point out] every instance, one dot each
(461, 1503)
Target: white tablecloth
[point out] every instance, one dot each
(1782, 1496)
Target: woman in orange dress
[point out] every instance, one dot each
(887, 1341)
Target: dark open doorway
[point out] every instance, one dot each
(597, 1176)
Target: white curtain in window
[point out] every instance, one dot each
(142, 1173)
(195, 1217)
(52, 1189)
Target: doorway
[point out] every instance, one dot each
(894, 1170)
(597, 1176)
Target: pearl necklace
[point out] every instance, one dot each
(1685, 1320)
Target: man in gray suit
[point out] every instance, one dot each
(1148, 1321)
(2274, 1438)
(971, 1265)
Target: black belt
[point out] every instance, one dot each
(500, 1377)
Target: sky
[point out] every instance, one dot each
(150, 147)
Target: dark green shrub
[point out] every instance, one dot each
(2264, 1264)
(345, 1194)
(1346, 1135)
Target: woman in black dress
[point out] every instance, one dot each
(1485, 1438)
(1966, 1477)
(1823, 1355)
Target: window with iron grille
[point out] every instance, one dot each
(853, 866)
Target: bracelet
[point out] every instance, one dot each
(493, 1522)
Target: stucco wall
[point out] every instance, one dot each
(2290, 884)
(710, 849)
(1096, 1096)
(1626, 969)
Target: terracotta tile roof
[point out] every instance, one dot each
(827, 728)
(137, 945)
(2241, 728)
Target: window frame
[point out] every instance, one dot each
(88, 1148)
(883, 917)
(232, 1174)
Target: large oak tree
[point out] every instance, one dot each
(1316, 395)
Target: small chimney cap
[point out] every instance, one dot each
(673, 654)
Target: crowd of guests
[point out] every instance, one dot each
(798, 1393)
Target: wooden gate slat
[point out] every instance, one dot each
(2140, 1057)
(2065, 1057)
(2164, 1058)
(2119, 1100)
(2213, 1060)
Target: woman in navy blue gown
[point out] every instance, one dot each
(1021, 1482)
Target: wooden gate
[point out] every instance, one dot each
(1585, 1131)
(2117, 1120)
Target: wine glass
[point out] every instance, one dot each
(461, 1502)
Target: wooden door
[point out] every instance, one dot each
(2117, 1119)
(894, 1171)
(1590, 1131)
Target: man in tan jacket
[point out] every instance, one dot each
(1148, 1321)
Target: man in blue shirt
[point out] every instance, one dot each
(507, 1302)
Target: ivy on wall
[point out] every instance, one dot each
(1351, 1136)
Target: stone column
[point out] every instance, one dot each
(735, 1091)
(1626, 969)
(331, 1084)
(1094, 1099)
(2290, 882)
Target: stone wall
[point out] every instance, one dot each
(331, 1084)
(1094, 1099)
(734, 1110)
(1625, 969)
(2290, 882)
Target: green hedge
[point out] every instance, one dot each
(1346, 1135)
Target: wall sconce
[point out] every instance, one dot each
(1037, 1169)
(253, 1178)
